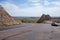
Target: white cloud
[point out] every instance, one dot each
(46, 2)
(17, 11)
(56, 3)
(53, 11)
(36, 4)
(34, 0)
(11, 8)
(30, 11)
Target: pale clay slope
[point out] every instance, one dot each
(6, 19)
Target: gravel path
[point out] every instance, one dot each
(14, 26)
(31, 31)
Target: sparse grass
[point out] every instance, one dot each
(34, 19)
(4, 24)
(28, 19)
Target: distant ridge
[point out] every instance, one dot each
(6, 19)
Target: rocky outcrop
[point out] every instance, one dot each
(44, 18)
(6, 19)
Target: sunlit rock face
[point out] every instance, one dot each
(6, 19)
(44, 18)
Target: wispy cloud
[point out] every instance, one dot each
(32, 8)
(34, 0)
(56, 3)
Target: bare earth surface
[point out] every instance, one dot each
(30, 31)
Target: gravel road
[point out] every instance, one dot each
(31, 31)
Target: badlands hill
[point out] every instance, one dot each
(6, 19)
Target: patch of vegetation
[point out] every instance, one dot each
(34, 19)
(28, 19)
(4, 24)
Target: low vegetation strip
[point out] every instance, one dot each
(28, 19)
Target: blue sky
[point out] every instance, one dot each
(31, 8)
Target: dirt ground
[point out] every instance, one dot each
(30, 31)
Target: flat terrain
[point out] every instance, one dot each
(30, 31)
